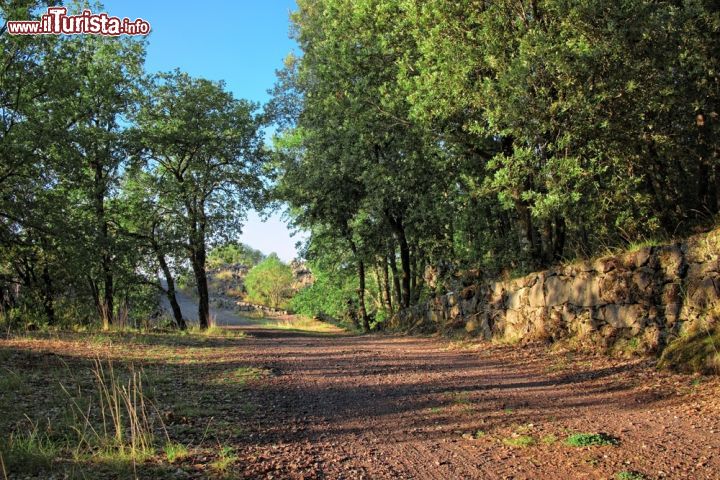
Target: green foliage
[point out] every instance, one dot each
(328, 295)
(90, 202)
(590, 440)
(494, 136)
(234, 254)
(501, 135)
(269, 282)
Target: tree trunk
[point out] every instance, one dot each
(48, 304)
(361, 285)
(386, 285)
(106, 307)
(361, 296)
(529, 236)
(170, 292)
(197, 260)
(418, 269)
(399, 230)
(413, 279)
(198, 265)
(380, 299)
(396, 278)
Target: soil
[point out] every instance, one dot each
(339, 406)
(385, 406)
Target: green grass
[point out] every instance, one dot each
(29, 452)
(650, 242)
(557, 366)
(300, 324)
(10, 381)
(175, 451)
(226, 457)
(520, 441)
(590, 440)
(66, 392)
(195, 409)
(694, 352)
(241, 375)
(629, 475)
(214, 331)
(549, 439)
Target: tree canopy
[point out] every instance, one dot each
(495, 136)
(412, 140)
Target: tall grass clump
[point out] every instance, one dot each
(115, 424)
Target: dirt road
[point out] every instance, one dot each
(391, 406)
(402, 407)
(189, 309)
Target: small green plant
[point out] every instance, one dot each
(630, 475)
(175, 451)
(226, 457)
(479, 434)
(521, 441)
(549, 439)
(590, 440)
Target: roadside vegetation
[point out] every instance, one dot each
(122, 404)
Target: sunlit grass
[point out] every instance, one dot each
(520, 441)
(175, 451)
(299, 323)
(226, 457)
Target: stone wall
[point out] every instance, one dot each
(641, 299)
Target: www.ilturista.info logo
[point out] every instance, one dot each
(57, 22)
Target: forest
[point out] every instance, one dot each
(495, 138)
(474, 138)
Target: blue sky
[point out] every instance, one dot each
(241, 42)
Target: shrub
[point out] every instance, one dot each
(326, 296)
(269, 282)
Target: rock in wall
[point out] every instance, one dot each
(641, 298)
